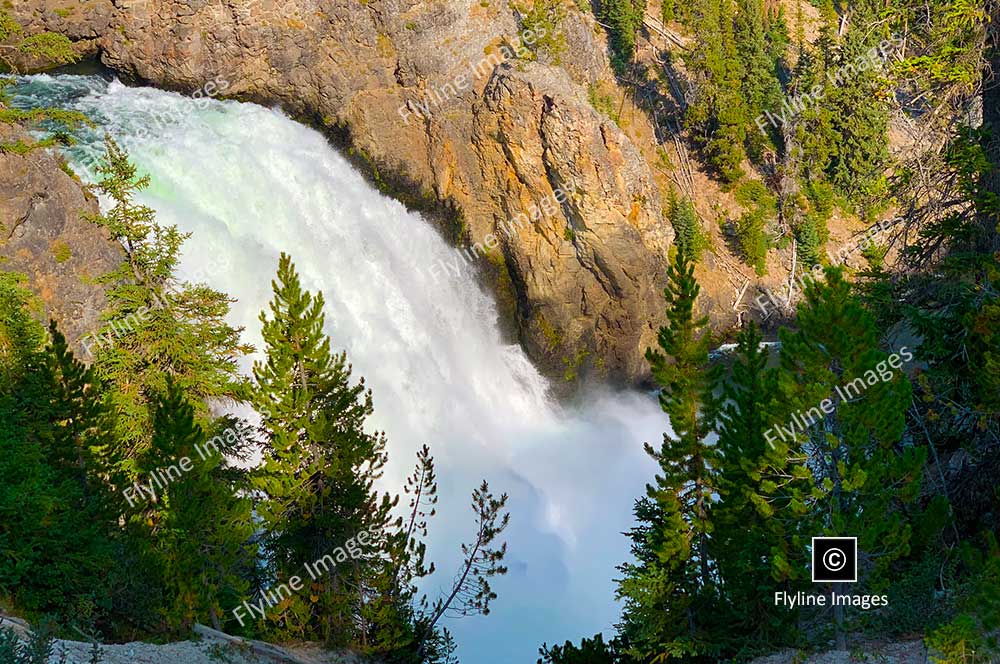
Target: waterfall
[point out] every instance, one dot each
(249, 183)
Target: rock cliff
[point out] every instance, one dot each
(449, 106)
(43, 234)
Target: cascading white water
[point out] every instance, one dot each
(249, 183)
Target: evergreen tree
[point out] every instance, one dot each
(724, 146)
(752, 226)
(846, 407)
(392, 610)
(200, 519)
(726, 129)
(687, 227)
(675, 574)
(624, 18)
(861, 153)
(590, 651)
(20, 334)
(734, 79)
(760, 89)
(154, 326)
(856, 100)
(408, 559)
(320, 463)
(56, 526)
(814, 132)
(747, 529)
(471, 593)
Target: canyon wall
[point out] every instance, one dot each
(555, 198)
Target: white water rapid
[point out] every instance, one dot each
(249, 183)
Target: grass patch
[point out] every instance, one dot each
(603, 102)
(61, 251)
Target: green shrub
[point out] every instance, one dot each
(958, 642)
(38, 649)
(915, 607)
(544, 20)
(602, 103)
(970, 637)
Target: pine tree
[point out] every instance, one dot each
(20, 335)
(687, 227)
(747, 529)
(590, 651)
(624, 18)
(391, 611)
(861, 152)
(718, 112)
(859, 104)
(154, 326)
(760, 89)
(201, 524)
(56, 527)
(847, 406)
(408, 560)
(815, 134)
(320, 463)
(752, 226)
(675, 572)
(725, 147)
(470, 593)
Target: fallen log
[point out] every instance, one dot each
(662, 30)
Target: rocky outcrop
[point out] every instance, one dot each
(588, 264)
(427, 93)
(43, 234)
